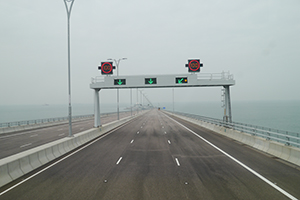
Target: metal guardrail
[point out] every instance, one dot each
(97, 79)
(285, 137)
(214, 76)
(41, 121)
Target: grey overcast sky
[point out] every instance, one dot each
(257, 41)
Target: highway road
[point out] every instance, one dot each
(16, 142)
(155, 157)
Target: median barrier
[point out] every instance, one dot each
(42, 156)
(25, 165)
(55, 151)
(5, 177)
(34, 160)
(61, 148)
(282, 151)
(15, 166)
(14, 169)
(49, 153)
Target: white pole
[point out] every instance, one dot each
(69, 68)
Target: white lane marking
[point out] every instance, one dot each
(32, 176)
(169, 141)
(138, 132)
(165, 132)
(61, 134)
(162, 127)
(177, 162)
(141, 127)
(240, 163)
(25, 145)
(119, 160)
(131, 141)
(34, 135)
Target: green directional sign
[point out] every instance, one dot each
(150, 81)
(119, 81)
(181, 80)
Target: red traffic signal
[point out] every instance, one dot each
(194, 65)
(106, 68)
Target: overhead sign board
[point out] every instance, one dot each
(162, 81)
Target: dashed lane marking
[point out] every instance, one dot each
(25, 145)
(34, 135)
(177, 162)
(119, 160)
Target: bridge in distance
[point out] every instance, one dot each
(159, 156)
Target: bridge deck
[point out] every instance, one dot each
(155, 157)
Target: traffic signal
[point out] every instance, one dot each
(194, 65)
(106, 68)
(181, 80)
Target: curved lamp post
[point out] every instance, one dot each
(69, 8)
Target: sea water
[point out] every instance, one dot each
(282, 115)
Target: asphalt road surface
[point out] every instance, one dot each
(154, 157)
(16, 142)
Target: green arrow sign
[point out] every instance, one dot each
(181, 80)
(150, 81)
(119, 81)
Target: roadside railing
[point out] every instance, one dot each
(285, 137)
(97, 79)
(41, 121)
(214, 76)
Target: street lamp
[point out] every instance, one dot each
(68, 9)
(117, 65)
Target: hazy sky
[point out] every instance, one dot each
(257, 41)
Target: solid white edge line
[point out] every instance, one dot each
(240, 163)
(177, 162)
(119, 160)
(30, 177)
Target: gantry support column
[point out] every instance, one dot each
(227, 111)
(97, 109)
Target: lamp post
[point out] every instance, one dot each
(117, 65)
(68, 9)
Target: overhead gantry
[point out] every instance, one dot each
(163, 81)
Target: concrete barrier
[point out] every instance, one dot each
(25, 165)
(282, 151)
(5, 177)
(14, 169)
(15, 166)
